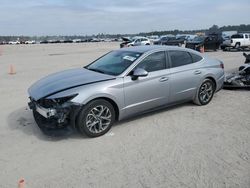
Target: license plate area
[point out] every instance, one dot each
(45, 112)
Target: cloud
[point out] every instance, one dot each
(64, 17)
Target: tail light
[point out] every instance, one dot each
(221, 65)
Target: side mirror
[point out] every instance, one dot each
(139, 72)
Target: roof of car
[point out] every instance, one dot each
(147, 48)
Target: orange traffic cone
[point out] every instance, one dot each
(12, 70)
(202, 49)
(21, 183)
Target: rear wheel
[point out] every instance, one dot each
(96, 118)
(237, 46)
(205, 92)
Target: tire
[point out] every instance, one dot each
(93, 115)
(237, 46)
(205, 92)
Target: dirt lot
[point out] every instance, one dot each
(182, 146)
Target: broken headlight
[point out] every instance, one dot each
(52, 103)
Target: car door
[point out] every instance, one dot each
(137, 42)
(246, 40)
(143, 41)
(209, 43)
(151, 91)
(186, 75)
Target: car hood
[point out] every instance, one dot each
(64, 80)
(126, 39)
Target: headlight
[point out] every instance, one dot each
(50, 103)
(62, 100)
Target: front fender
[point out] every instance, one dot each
(112, 89)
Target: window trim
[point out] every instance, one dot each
(171, 65)
(130, 69)
(190, 53)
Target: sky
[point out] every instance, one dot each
(86, 17)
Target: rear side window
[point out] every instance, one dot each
(153, 62)
(237, 36)
(246, 36)
(180, 58)
(195, 57)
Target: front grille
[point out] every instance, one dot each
(46, 103)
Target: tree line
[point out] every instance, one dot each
(212, 29)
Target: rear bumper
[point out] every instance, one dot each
(220, 83)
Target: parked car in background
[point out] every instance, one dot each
(13, 42)
(162, 39)
(190, 37)
(153, 38)
(76, 40)
(211, 42)
(30, 42)
(121, 84)
(67, 41)
(237, 41)
(227, 34)
(171, 41)
(135, 41)
(3, 42)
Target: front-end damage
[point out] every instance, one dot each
(55, 114)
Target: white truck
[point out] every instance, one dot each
(237, 41)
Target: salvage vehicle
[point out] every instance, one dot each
(210, 42)
(135, 41)
(241, 78)
(123, 83)
(237, 41)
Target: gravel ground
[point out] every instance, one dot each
(181, 146)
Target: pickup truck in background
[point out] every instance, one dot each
(237, 41)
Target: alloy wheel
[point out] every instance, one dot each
(98, 119)
(206, 92)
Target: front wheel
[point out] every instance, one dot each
(96, 118)
(205, 93)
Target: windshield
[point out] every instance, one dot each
(114, 63)
(198, 39)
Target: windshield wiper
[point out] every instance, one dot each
(96, 70)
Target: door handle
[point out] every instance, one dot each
(163, 79)
(197, 72)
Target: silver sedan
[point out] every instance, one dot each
(123, 83)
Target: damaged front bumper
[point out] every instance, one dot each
(54, 116)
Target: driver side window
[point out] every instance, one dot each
(153, 62)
